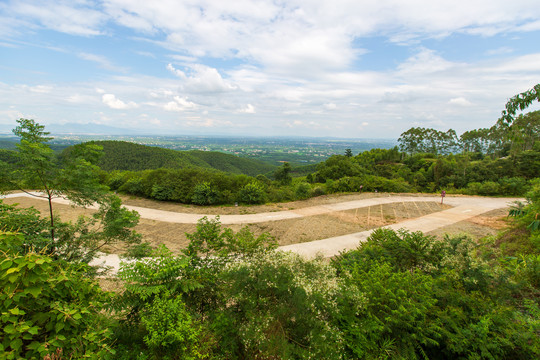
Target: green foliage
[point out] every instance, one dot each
(336, 167)
(171, 332)
(388, 313)
(446, 300)
(27, 222)
(37, 168)
(279, 306)
(210, 243)
(282, 174)
(418, 140)
(110, 225)
(204, 194)
(402, 249)
(303, 191)
(121, 155)
(139, 251)
(252, 193)
(519, 102)
(149, 278)
(47, 305)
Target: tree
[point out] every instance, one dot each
(37, 168)
(76, 178)
(525, 131)
(419, 139)
(348, 153)
(519, 102)
(282, 174)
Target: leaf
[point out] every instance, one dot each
(34, 290)
(17, 311)
(6, 264)
(12, 270)
(16, 344)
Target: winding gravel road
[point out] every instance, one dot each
(463, 208)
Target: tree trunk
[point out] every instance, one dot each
(53, 248)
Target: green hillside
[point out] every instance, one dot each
(231, 163)
(122, 155)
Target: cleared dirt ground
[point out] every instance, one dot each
(487, 224)
(287, 231)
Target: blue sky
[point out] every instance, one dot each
(342, 68)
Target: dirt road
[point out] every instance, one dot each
(463, 208)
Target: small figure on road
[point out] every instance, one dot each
(443, 194)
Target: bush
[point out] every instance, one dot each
(49, 307)
(161, 193)
(486, 188)
(318, 191)
(303, 191)
(252, 193)
(139, 251)
(513, 186)
(204, 194)
(171, 333)
(280, 306)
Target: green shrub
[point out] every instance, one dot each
(171, 333)
(204, 194)
(252, 193)
(49, 307)
(513, 186)
(303, 191)
(139, 251)
(318, 191)
(161, 193)
(280, 306)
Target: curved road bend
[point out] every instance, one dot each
(464, 207)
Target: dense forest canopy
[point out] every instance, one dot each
(122, 155)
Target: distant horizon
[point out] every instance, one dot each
(238, 136)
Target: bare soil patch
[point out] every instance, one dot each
(252, 209)
(339, 223)
(156, 232)
(286, 231)
(66, 212)
(487, 224)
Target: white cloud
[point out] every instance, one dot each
(202, 79)
(425, 61)
(298, 58)
(503, 50)
(179, 104)
(208, 122)
(248, 109)
(461, 101)
(330, 106)
(102, 61)
(111, 101)
(71, 17)
(43, 89)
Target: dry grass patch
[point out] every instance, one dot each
(487, 224)
(250, 209)
(310, 228)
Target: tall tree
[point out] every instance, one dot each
(282, 174)
(38, 169)
(525, 131)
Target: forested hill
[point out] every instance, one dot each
(122, 155)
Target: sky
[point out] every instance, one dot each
(340, 68)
